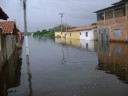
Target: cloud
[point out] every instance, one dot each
(45, 13)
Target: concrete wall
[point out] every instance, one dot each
(92, 35)
(116, 23)
(57, 34)
(2, 50)
(120, 23)
(10, 45)
(89, 33)
(73, 35)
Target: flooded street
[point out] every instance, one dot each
(68, 68)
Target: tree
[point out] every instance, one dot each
(94, 24)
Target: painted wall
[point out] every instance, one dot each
(73, 35)
(10, 45)
(86, 35)
(91, 34)
(0, 38)
(2, 50)
(57, 34)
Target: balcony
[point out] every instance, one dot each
(111, 21)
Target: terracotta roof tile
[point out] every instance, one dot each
(7, 26)
(82, 28)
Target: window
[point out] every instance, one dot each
(117, 32)
(70, 34)
(109, 14)
(86, 34)
(120, 12)
(100, 16)
(87, 45)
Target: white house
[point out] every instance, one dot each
(9, 31)
(89, 33)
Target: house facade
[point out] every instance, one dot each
(59, 34)
(112, 22)
(86, 33)
(9, 33)
(89, 33)
(73, 34)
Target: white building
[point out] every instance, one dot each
(89, 33)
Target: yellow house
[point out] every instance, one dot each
(58, 34)
(73, 34)
(86, 32)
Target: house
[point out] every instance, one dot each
(112, 22)
(59, 34)
(89, 33)
(86, 33)
(73, 34)
(63, 34)
(3, 16)
(8, 37)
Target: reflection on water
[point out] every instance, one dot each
(71, 71)
(113, 59)
(87, 45)
(70, 42)
(29, 75)
(10, 74)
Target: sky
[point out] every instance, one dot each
(44, 14)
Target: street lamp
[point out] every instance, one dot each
(61, 14)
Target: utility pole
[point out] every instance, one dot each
(62, 61)
(61, 14)
(25, 27)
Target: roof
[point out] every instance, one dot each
(122, 2)
(3, 15)
(7, 26)
(83, 28)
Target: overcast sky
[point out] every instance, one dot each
(44, 14)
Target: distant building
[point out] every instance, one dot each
(58, 34)
(112, 22)
(85, 33)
